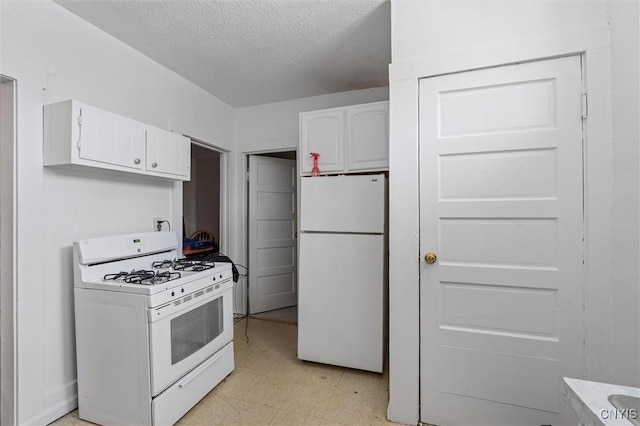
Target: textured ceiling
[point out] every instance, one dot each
(249, 52)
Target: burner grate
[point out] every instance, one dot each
(119, 276)
(184, 264)
(143, 276)
(162, 264)
(137, 277)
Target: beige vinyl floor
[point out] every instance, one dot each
(288, 315)
(271, 386)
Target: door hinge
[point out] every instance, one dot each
(585, 106)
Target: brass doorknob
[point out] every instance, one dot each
(431, 257)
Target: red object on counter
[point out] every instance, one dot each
(315, 171)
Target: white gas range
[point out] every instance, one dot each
(153, 333)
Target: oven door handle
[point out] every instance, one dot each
(170, 310)
(199, 369)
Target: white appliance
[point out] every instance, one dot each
(153, 333)
(342, 269)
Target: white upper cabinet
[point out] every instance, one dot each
(109, 138)
(167, 153)
(368, 136)
(76, 134)
(322, 132)
(349, 139)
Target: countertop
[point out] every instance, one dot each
(590, 401)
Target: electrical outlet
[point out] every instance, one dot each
(157, 224)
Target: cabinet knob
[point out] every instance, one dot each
(136, 161)
(154, 165)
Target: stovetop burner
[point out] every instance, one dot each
(184, 264)
(161, 271)
(162, 264)
(143, 276)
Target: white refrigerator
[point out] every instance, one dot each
(342, 271)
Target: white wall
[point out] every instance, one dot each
(54, 55)
(7, 249)
(444, 37)
(427, 28)
(622, 363)
(274, 127)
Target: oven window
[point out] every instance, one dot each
(195, 329)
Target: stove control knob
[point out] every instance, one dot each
(182, 290)
(220, 275)
(214, 278)
(173, 293)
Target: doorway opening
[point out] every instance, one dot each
(204, 206)
(8, 132)
(272, 183)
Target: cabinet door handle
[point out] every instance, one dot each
(154, 165)
(136, 161)
(79, 130)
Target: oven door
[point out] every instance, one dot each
(187, 331)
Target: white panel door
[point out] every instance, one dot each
(501, 206)
(272, 233)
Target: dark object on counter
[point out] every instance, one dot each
(200, 239)
(193, 244)
(217, 257)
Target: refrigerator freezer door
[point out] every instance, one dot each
(340, 302)
(343, 204)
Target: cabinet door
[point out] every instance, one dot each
(168, 153)
(368, 137)
(109, 138)
(322, 132)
